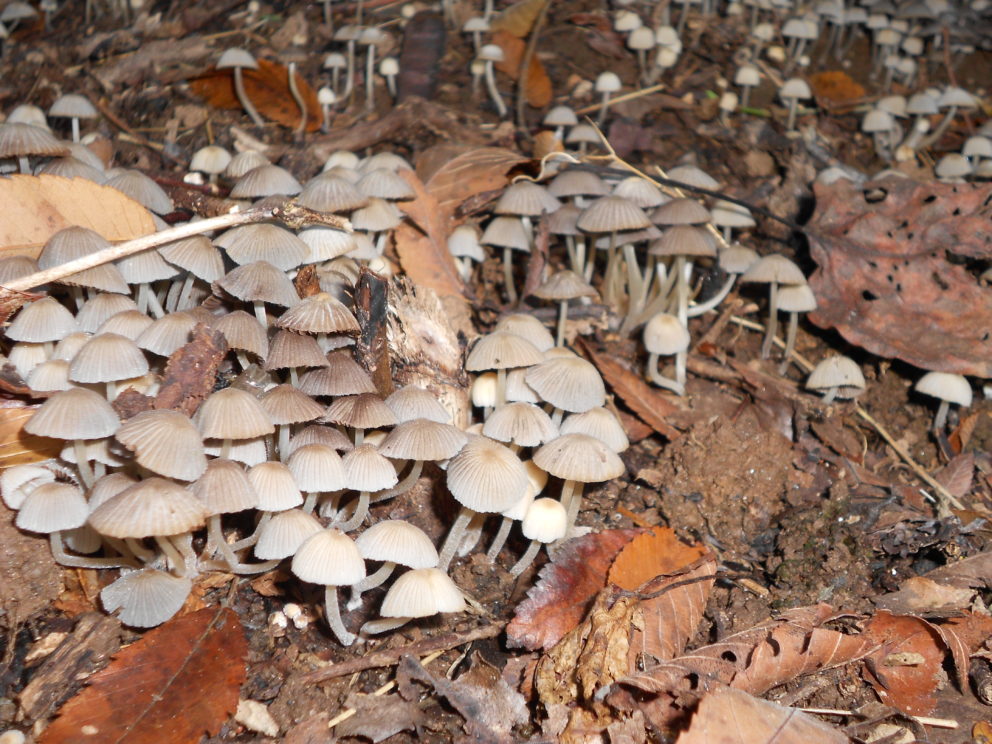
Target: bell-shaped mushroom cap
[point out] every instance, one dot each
(399, 542)
(464, 243)
(243, 162)
(486, 476)
(368, 470)
(330, 193)
(266, 180)
(412, 402)
(145, 267)
(247, 451)
(383, 183)
(16, 267)
(796, 298)
(49, 377)
(684, 240)
(329, 557)
(545, 521)
(795, 89)
(264, 242)
(612, 214)
(364, 411)
(693, 175)
(109, 486)
(52, 507)
(76, 413)
(283, 535)
(107, 357)
(664, 334)
(565, 220)
(422, 439)
(154, 506)
(275, 485)
(71, 243)
(224, 488)
(422, 592)
(600, 423)
(210, 159)
(565, 285)
(525, 198)
(290, 349)
(736, 259)
(376, 216)
(243, 331)
(579, 457)
(839, 372)
(774, 268)
(502, 350)
(316, 434)
(236, 57)
(682, 211)
(342, 376)
(286, 404)
(517, 389)
(197, 255)
(574, 182)
(731, 214)
(529, 327)
(945, 386)
(41, 321)
(142, 189)
(232, 414)
(130, 323)
(167, 334)
(523, 424)
(19, 140)
(319, 313)
(506, 232)
(640, 192)
(259, 281)
(146, 598)
(99, 308)
(569, 383)
(318, 469)
(165, 442)
(557, 116)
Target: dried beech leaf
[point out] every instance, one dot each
(731, 716)
(649, 404)
(36, 207)
(974, 572)
(423, 245)
(17, 447)
(956, 476)
(558, 602)
(836, 88)
(537, 84)
(518, 19)
(268, 90)
(884, 279)
(178, 682)
(191, 371)
(455, 173)
(964, 636)
(670, 619)
(378, 717)
(904, 668)
(919, 595)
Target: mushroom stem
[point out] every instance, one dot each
(635, 281)
(772, 328)
(404, 485)
(370, 78)
(654, 374)
(383, 625)
(511, 290)
(172, 554)
(253, 537)
(82, 463)
(562, 322)
(76, 561)
(793, 108)
(790, 342)
(259, 308)
(941, 128)
(294, 91)
(361, 511)
(493, 91)
(500, 390)
(233, 564)
(454, 537)
(571, 499)
(284, 432)
(497, 545)
(526, 559)
(333, 613)
(138, 549)
(712, 302)
(604, 107)
(370, 582)
(183, 298)
(940, 420)
(246, 104)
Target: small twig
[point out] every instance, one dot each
(529, 51)
(392, 656)
(289, 213)
(620, 99)
(946, 723)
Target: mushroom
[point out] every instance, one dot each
(568, 383)
(537, 479)
(561, 287)
(165, 442)
(231, 414)
(412, 402)
(490, 54)
(607, 83)
(366, 471)
(502, 350)
(75, 107)
(665, 335)
(394, 542)
(421, 592)
(317, 469)
(792, 91)
(947, 388)
(836, 377)
(389, 68)
(210, 159)
(546, 521)
(794, 299)
(239, 59)
(773, 270)
(419, 440)
(146, 598)
(747, 77)
(331, 558)
(288, 405)
(359, 413)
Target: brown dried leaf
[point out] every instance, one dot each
(659, 559)
(454, 173)
(964, 636)
(518, 19)
(904, 667)
(179, 681)
(558, 602)
(884, 279)
(730, 716)
(835, 88)
(36, 207)
(536, 83)
(378, 717)
(644, 400)
(267, 88)
(17, 447)
(191, 372)
(972, 572)
(956, 476)
(920, 595)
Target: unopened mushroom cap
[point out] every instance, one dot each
(141, 188)
(365, 469)
(275, 485)
(946, 386)
(154, 506)
(545, 521)
(284, 534)
(286, 404)
(316, 434)
(318, 468)
(329, 557)
(236, 57)
(76, 413)
(684, 240)
(166, 334)
(506, 232)
(579, 457)
(796, 298)
(664, 334)
(422, 592)
(266, 180)
(836, 372)
(398, 542)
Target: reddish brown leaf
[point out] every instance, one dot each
(884, 279)
(956, 476)
(974, 572)
(518, 19)
(919, 594)
(960, 437)
(558, 602)
(836, 88)
(455, 173)
(643, 399)
(671, 618)
(733, 717)
(175, 684)
(905, 666)
(267, 88)
(17, 447)
(964, 636)
(537, 84)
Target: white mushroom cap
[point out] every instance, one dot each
(398, 542)
(546, 521)
(946, 386)
(664, 334)
(329, 557)
(608, 82)
(146, 598)
(837, 372)
(422, 592)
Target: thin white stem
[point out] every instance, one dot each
(454, 537)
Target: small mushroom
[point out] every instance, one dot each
(947, 388)
(331, 558)
(239, 59)
(836, 377)
(664, 335)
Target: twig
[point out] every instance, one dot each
(289, 213)
(392, 656)
(529, 51)
(946, 723)
(620, 99)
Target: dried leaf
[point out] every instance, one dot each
(36, 207)
(536, 83)
(456, 173)
(836, 88)
(964, 636)
(974, 572)
(558, 602)
(730, 716)
(884, 279)
(904, 668)
(17, 447)
(518, 19)
(191, 372)
(956, 476)
(671, 618)
(268, 90)
(378, 717)
(644, 400)
(179, 681)
(920, 595)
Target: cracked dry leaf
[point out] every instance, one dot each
(890, 276)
